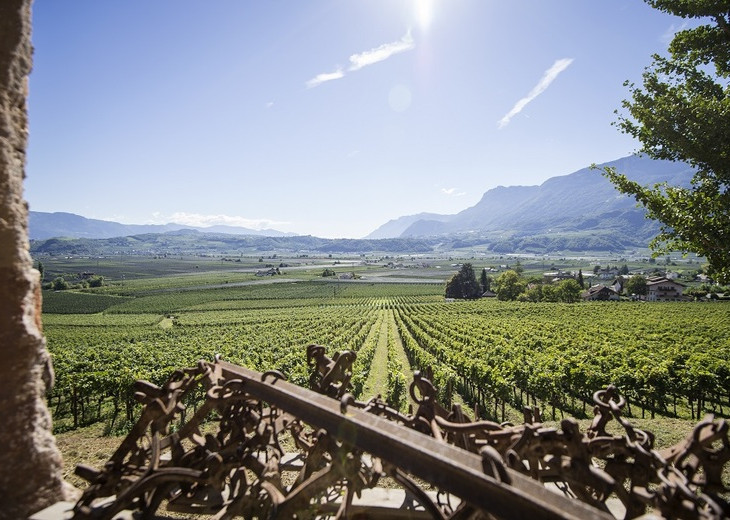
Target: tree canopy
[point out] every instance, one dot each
(682, 113)
(463, 284)
(509, 285)
(636, 285)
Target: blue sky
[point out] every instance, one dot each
(322, 117)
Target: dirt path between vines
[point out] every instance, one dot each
(377, 382)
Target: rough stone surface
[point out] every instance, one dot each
(30, 463)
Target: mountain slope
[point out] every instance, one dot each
(43, 226)
(395, 227)
(578, 202)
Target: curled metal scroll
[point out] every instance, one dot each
(258, 447)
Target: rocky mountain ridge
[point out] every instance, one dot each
(576, 203)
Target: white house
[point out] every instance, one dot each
(662, 289)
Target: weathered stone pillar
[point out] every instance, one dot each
(30, 463)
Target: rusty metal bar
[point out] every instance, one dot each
(449, 468)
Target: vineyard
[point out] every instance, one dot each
(669, 359)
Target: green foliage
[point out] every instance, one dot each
(328, 272)
(485, 281)
(569, 291)
(397, 393)
(636, 285)
(96, 281)
(463, 284)
(551, 350)
(59, 284)
(509, 285)
(682, 113)
(72, 302)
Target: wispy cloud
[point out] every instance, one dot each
(199, 220)
(364, 59)
(452, 192)
(673, 29)
(325, 76)
(269, 104)
(382, 53)
(547, 78)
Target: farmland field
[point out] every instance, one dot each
(670, 359)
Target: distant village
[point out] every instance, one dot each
(610, 284)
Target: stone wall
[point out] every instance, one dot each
(30, 463)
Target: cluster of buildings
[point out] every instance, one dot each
(658, 288)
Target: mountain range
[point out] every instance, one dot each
(583, 201)
(581, 211)
(69, 225)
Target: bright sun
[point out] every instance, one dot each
(424, 13)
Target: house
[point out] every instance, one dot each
(662, 289)
(489, 294)
(556, 276)
(618, 284)
(608, 273)
(600, 292)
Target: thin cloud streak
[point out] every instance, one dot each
(199, 220)
(668, 35)
(364, 59)
(452, 192)
(382, 53)
(324, 77)
(547, 78)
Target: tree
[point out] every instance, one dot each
(96, 281)
(682, 113)
(485, 281)
(569, 291)
(509, 285)
(533, 294)
(550, 293)
(463, 284)
(59, 284)
(581, 282)
(41, 269)
(636, 285)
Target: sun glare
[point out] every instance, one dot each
(424, 13)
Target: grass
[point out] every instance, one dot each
(377, 381)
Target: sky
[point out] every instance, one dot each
(322, 117)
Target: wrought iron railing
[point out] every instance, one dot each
(233, 456)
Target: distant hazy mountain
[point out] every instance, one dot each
(579, 212)
(54, 225)
(394, 228)
(583, 202)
